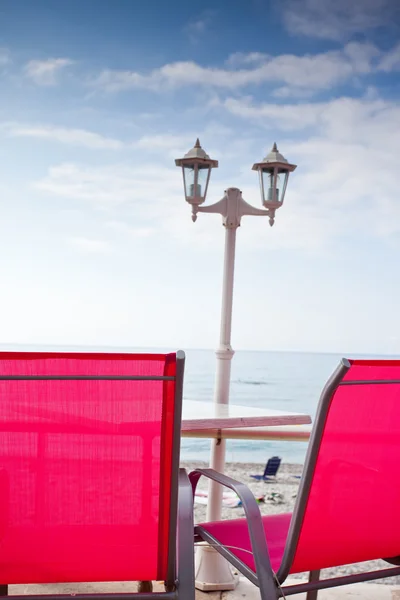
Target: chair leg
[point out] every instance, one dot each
(4, 590)
(145, 587)
(314, 576)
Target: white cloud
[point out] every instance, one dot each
(163, 141)
(89, 246)
(330, 115)
(287, 91)
(170, 146)
(287, 117)
(338, 19)
(314, 72)
(346, 181)
(136, 232)
(74, 137)
(167, 144)
(361, 56)
(138, 201)
(196, 28)
(110, 186)
(242, 58)
(44, 72)
(391, 60)
(5, 57)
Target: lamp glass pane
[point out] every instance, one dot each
(283, 179)
(274, 189)
(270, 193)
(202, 179)
(189, 175)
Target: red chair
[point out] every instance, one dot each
(89, 471)
(347, 508)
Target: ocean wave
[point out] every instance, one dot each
(252, 382)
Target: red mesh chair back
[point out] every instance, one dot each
(348, 505)
(89, 452)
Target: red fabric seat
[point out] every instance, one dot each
(86, 466)
(348, 502)
(234, 535)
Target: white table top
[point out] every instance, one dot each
(203, 416)
(288, 433)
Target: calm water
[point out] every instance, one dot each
(290, 381)
(280, 380)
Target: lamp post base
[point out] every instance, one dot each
(212, 572)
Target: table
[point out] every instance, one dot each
(229, 421)
(290, 433)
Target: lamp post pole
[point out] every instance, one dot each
(224, 355)
(212, 570)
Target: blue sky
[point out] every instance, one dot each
(98, 98)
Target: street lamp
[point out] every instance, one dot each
(274, 174)
(212, 571)
(196, 168)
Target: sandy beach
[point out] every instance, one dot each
(280, 496)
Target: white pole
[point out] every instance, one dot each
(223, 372)
(212, 570)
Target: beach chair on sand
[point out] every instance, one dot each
(90, 488)
(270, 471)
(347, 508)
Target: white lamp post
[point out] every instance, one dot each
(212, 571)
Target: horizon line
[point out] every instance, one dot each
(121, 348)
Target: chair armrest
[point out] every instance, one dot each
(185, 538)
(255, 526)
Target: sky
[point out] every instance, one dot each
(98, 98)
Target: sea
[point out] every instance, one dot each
(289, 381)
